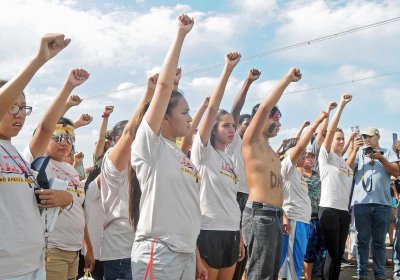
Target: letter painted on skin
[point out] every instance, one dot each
(276, 181)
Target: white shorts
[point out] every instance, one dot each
(164, 264)
(38, 274)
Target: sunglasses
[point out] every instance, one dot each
(14, 109)
(58, 138)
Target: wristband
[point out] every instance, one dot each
(105, 115)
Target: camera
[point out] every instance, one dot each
(369, 151)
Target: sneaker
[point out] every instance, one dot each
(344, 261)
(396, 275)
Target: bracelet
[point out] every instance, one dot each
(72, 204)
(105, 115)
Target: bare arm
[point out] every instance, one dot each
(165, 84)
(391, 167)
(83, 120)
(254, 132)
(357, 144)
(187, 140)
(101, 141)
(73, 100)
(50, 46)
(121, 152)
(278, 150)
(346, 98)
(304, 125)
(178, 76)
(322, 129)
(301, 145)
(349, 141)
(237, 106)
(231, 60)
(45, 129)
(89, 256)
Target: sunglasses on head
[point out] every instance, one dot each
(14, 110)
(58, 138)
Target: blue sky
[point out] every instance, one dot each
(121, 43)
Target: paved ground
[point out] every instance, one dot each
(349, 271)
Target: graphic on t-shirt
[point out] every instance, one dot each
(345, 169)
(74, 185)
(188, 167)
(229, 171)
(10, 170)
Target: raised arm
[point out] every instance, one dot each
(357, 143)
(301, 145)
(165, 84)
(121, 152)
(304, 125)
(101, 141)
(45, 129)
(178, 75)
(237, 106)
(346, 98)
(231, 60)
(50, 45)
(349, 141)
(73, 100)
(255, 130)
(83, 120)
(188, 140)
(278, 149)
(323, 127)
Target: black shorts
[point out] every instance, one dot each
(219, 248)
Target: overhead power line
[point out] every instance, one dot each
(262, 54)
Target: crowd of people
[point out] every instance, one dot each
(171, 197)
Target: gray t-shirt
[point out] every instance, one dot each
(22, 230)
(296, 202)
(219, 187)
(375, 177)
(118, 234)
(170, 184)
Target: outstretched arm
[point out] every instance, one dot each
(254, 132)
(165, 84)
(45, 129)
(346, 98)
(73, 100)
(322, 129)
(50, 46)
(122, 150)
(231, 60)
(188, 139)
(237, 106)
(304, 125)
(101, 141)
(301, 145)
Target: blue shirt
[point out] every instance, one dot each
(372, 181)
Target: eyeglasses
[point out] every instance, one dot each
(58, 138)
(14, 110)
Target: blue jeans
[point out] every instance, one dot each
(372, 220)
(262, 234)
(396, 246)
(117, 269)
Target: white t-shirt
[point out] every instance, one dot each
(234, 150)
(70, 225)
(336, 179)
(296, 202)
(21, 228)
(118, 234)
(95, 217)
(170, 203)
(219, 187)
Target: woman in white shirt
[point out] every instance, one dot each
(22, 232)
(55, 137)
(219, 240)
(336, 180)
(169, 222)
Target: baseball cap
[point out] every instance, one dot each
(370, 131)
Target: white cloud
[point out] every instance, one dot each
(390, 99)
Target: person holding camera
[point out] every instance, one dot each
(371, 201)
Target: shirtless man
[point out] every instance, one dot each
(262, 217)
